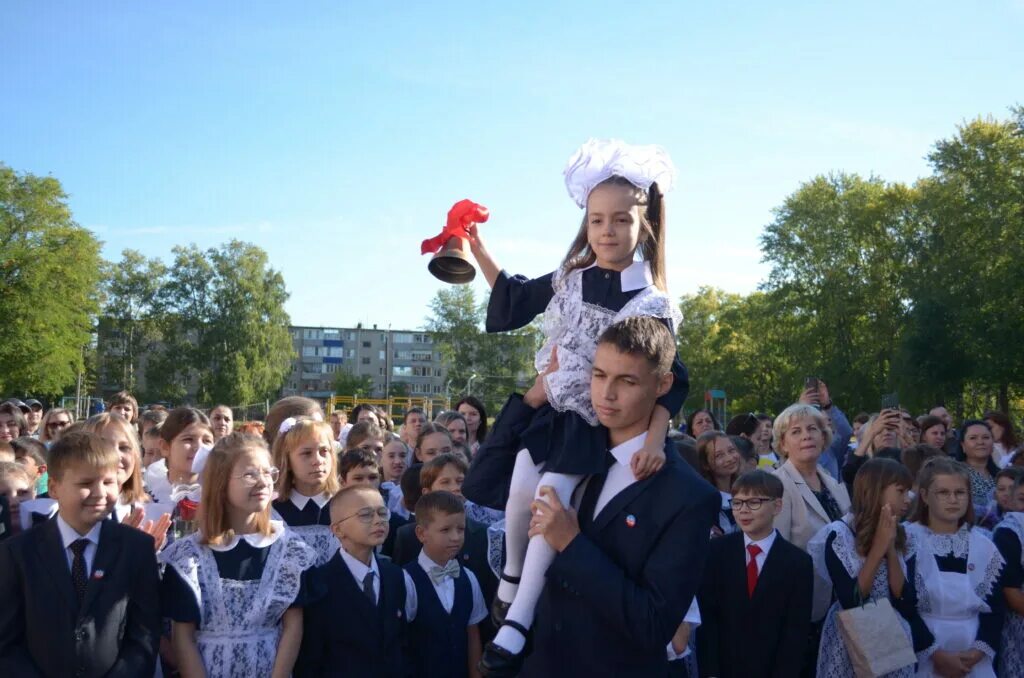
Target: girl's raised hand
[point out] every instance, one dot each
(885, 533)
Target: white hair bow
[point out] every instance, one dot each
(601, 159)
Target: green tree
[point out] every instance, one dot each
(399, 389)
(224, 327)
(50, 270)
(348, 384)
(501, 362)
(129, 326)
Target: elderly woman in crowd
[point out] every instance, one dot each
(811, 498)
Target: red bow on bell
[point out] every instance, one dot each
(460, 216)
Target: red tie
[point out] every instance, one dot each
(754, 550)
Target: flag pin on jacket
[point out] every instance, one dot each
(630, 520)
(98, 574)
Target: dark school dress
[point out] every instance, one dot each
(563, 439)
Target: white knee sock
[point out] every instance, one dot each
(525, 476)
(538, 558)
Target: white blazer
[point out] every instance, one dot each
(803, 516)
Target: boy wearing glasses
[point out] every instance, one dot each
(359, 627)
(756, 589)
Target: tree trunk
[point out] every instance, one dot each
(1004, 398)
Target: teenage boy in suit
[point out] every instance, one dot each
(756, 591)
(80, 593)
(628, 565)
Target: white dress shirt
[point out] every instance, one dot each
(620, 475)
(446, 590)
(765, 546)
(69, 536)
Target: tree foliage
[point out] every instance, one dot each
(223, 326)
(501, 362)
(879, 286)
(348, 384)
(50, 272)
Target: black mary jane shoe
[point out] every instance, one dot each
(497, 662)
(499, 608)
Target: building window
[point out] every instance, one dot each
(423, 357)
(335, 352)
(366, 361)
(402, 338)
(308, 351)
(351, 353)
(400, 371)
(380, 355)
(366, 344)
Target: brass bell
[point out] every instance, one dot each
(452, 263)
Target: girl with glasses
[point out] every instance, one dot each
(236, 587)
(958, 585)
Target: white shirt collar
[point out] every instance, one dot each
(356, 567)
(636, 276)
(426, 563)
(256, 540)
(300, 500)
(764, 544)
(624, 453)
(69, 535)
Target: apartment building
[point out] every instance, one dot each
(387, 356)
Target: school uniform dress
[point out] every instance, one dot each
(726, 520)
(359, 628)
(578, 306)
(835, 555)
(74, 605)
(448, 599)
(309, 518)
(236, 594)
(804, 513)
(958, 593)
(1008, 538)
(773, 621)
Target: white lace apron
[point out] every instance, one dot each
(575, 326)
(950, 602)
(320, 539)
(241, 620)
(833, 659)
(1011, 659)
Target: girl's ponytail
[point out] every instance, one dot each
(653, 246)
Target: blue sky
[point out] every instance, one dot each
(336, 135)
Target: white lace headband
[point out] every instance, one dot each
(601, 159)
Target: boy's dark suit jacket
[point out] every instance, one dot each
(42, 631)
(616, 595)
(771, 628)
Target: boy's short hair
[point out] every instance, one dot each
(413, 410)
(915, 456)
(759, 483)
(643, 336)
(433, 503)
(81, 447)
(433, 468)
(9, 469)
(356, 459)
(344, 492)
(152, 419)
(1014, 473)
(29, 447)
(361, 432)
(410, 484)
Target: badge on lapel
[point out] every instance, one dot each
(630, 520)
(97, 575)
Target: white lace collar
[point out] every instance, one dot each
(259, 541)
(300, 500)
(636, 276)
(957, 544)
